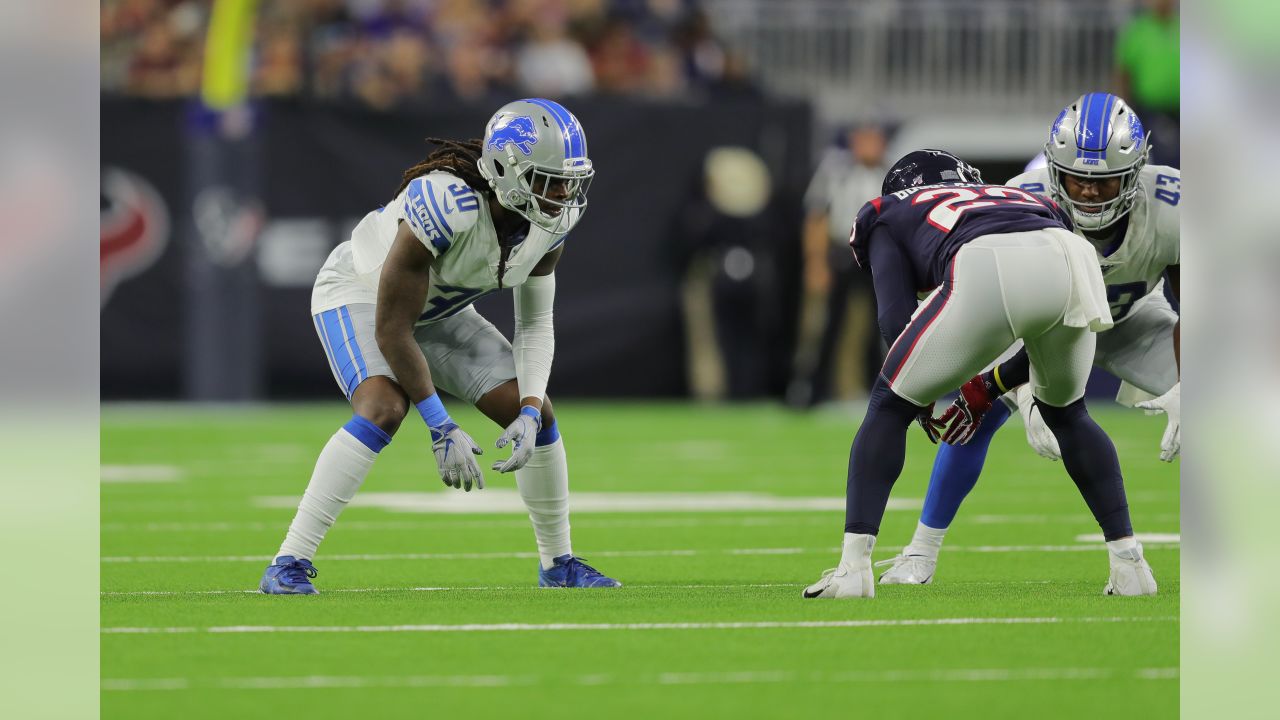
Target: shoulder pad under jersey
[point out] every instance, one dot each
(439, 209)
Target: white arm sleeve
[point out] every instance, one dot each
(535, 339)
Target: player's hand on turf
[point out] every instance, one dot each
(1170, 404)
(965, 414)
(1039, 436)
(933, 427)
(524, 433)
(455, 453)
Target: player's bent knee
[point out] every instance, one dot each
(1059, 415)
(381, 401)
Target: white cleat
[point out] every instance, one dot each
(1130, 573)
(908, 570)
(852, 577)
(844, 581)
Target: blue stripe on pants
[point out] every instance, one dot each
(328, 351)
(362, 370)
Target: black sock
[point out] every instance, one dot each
(1091, 461)
(876, 458)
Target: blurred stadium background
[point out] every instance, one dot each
(734, 139)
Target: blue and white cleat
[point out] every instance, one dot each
(572, 572)
(289, 576)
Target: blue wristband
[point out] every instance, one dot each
(432, 411)
(534, 413)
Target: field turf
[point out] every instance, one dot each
(713, 517)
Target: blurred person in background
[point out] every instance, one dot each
(393, 307)
(550, 62)
(838, 343)
(167, 57)
(726, 240)
(1129, 211)
(1148, 72)
(620, 59)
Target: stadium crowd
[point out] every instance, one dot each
(403, 53)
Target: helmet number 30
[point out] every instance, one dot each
(955, 200)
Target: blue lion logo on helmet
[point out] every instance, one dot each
(516, 130)
(1136, 130)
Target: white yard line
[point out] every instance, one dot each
(686, 552)
(459, 588)
(537, 627)
(140, 473)
(796, 518)
(799, 518)
(487, 588)
(1147, 539)
(753, 677)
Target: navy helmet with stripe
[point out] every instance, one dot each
(1097, 137)
(535, 159)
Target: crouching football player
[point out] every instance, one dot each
(1097, 168)
(393, 309)
(1003, 265)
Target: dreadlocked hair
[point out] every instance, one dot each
(458, 157)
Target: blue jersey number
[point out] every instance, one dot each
(464, 197)
(1122, 297)
(451, 301)
(1168, 189)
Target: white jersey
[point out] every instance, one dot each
(1134, 269)
(453, 222)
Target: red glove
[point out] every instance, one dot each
(932, 426)
(965, 414)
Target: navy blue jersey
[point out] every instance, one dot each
(908, 239)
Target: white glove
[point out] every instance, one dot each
(1170, 404)
(455, 453)
(1039, 436)
(524, 433)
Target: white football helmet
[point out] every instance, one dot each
(535, 159)
(1098, 136)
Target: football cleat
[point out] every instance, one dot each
(571, 572)
(908, 570)
(289, 576)
(844, 581)
(853, 576)
(1130, 573)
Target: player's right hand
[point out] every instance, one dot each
(456, 453)
(1039, 436)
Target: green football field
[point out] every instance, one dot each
(714, 518)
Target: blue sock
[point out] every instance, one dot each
(956, 469)
(366, 432)
(548, 435)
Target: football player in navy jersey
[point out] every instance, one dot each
(1095, 165)
(1000, 264)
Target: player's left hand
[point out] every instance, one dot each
(1170, 404)
(523, 432)
(965, 414)
(932, 426)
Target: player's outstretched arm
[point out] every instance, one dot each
(1170, 403)
(402, 292)
(533, 347)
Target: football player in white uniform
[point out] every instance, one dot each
(1097, 168)
(393, 309)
